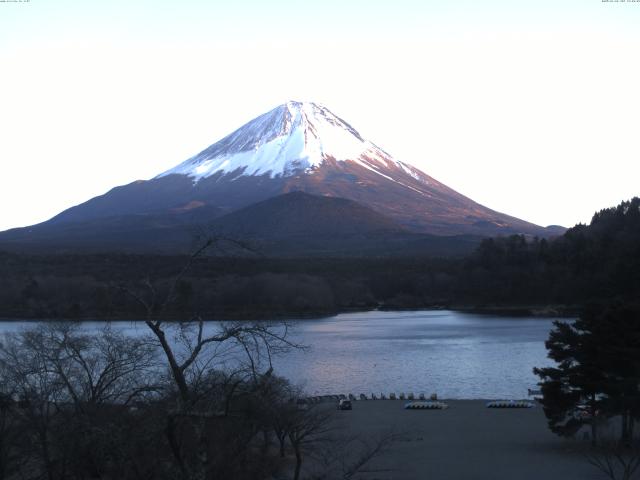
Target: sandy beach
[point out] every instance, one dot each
(467, 441)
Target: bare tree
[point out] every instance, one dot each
(10, 460)
(307, 429)
(28, 376)
(345, 457)
(72, 388)
(94, 369)
(314, 433)
(193, 349)
(281, 414)
(616, 460)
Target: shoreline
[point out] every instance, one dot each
(439, 399)
(541, 311)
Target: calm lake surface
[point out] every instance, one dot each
(456, 355)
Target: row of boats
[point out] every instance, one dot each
(431, 405)
(415, 403)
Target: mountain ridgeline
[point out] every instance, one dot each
(600, 261)
(395, 209)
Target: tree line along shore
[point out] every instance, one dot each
(516, 274)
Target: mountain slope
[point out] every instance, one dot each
(304, 147)
(298, 224)
(295, 224)
(134, 233)
(360, 198)
(301, 214)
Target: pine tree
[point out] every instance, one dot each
(572, 392)
(618, 328)
(598, 371)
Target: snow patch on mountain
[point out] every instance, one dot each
(293, 137)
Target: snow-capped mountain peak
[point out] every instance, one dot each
(296, 147)
(293, 137)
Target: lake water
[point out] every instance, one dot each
(456, 355)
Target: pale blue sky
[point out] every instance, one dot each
(529, 107)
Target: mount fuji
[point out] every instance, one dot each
(296, 147)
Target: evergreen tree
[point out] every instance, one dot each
(572, 391)
(618, 328)
(598, 371)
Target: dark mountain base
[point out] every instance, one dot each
(291, 225)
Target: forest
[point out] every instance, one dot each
(516, 274)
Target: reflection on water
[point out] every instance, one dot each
(454, 354)
(457, 355)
